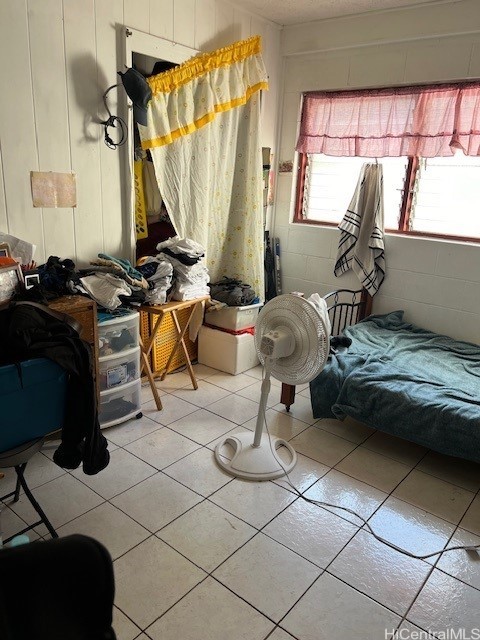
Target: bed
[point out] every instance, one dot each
(402, 379)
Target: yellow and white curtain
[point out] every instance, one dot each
(203, 134)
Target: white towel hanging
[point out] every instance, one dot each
(361, 246)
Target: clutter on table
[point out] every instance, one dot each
(233, 292)
(159, 273)
(190, 273)
(177, 272)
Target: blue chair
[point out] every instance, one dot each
(32, 405)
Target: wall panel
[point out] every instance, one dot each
(205, 26)
(224, 25)
(161, 18)
(243, 28)
(184, 22)
(17, 125)
(51, 115)
(85, 88)
(137, 14)
(432, 280)
(108, 18)
(3, 204)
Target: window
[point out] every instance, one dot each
(427, 139)
(447, 196)
(422, 196)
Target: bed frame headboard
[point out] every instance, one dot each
(347, 307)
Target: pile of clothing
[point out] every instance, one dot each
(178, 272)
(233, 292)
(112, 282)
(159, 274)
(34, 331)
(190, 273)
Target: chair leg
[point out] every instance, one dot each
(18, 486)
(20, 470)
(15, 493)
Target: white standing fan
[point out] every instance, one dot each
(292, 342)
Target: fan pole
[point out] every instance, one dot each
(263, 403)
(258, 460)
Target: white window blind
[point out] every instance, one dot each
(447, 196)
(330, 183)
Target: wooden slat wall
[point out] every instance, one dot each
(59, 56)
(17, 124)
(52, 124)
(114, 210)
(3, 204)
(161, 19)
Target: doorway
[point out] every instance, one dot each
(149, 55)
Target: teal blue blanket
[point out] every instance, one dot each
(407, 381)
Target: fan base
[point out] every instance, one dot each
(255, 463)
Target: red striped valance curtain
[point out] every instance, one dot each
(427, 121)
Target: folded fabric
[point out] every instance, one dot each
(156, 296)
(196, 273)
(188, 292)
(125, 264)
(105, 289)
(100, 264)
(154, 269)
(135, 299)
(184, 246)
(181, 257)
(233, 292)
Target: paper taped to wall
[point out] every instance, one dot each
(56, 190)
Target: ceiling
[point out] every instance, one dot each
(287, 12)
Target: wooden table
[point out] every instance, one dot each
(160, 311)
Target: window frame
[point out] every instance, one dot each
(405, 207)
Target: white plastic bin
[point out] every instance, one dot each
(234, 318)
(119, 369)
(120, 404)
(225, 351)
(118, 334)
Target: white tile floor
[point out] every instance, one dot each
(198, 554)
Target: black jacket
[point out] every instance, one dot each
(27, 331)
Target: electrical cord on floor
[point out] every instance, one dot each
(320, 503)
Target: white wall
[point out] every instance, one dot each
(58, 57)
(436, 282)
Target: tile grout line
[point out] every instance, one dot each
(325, 570)
(433, 567)
(260, 530)
(359, 528)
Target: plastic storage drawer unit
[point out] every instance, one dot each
(234, 318)
(120, 404)
(119, 369)
(225, 351)
(118, 334)
(32, 401)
